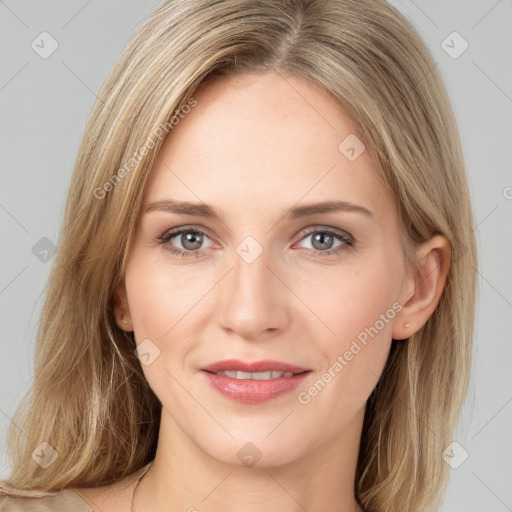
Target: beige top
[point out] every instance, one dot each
(61, 501)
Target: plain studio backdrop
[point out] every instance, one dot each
(47, 90)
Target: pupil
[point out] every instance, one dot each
(321, 238)
(189, 241)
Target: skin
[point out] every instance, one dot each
(253, 147)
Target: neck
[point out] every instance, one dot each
(184, 477)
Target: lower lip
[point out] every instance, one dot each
(254, 391)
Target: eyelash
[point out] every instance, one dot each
(346, 238)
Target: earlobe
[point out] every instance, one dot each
(121, 309)
(425, 286)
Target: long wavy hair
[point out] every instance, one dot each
(89, 398)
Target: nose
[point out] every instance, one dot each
(254, 302)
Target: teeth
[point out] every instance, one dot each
(234, 374)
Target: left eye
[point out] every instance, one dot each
(323, 241)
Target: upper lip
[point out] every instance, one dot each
(253, 366)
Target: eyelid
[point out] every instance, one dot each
(318, 228)
(172, 232)
(304, 232)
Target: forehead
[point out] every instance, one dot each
(271, 136)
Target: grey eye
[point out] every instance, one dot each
(323, 240)
(188, 240)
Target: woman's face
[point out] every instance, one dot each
(262, 280)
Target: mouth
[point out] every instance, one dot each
(254, 382)
(268, 375)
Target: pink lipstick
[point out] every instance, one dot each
(254, 382)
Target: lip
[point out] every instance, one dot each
(251, 391)
(253, 366)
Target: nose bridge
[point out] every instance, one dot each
(251, 303)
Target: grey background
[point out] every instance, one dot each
(45, 102)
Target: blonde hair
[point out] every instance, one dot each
(89, 399)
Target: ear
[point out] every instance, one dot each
(121, 309)
(423, 287)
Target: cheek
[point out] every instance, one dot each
(349, 298)
(358, 305)
(163, 303)
(162, 299)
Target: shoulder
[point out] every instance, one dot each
(58, 501)
(115, 497)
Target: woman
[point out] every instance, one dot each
(263, 288)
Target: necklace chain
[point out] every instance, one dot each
(139, 480)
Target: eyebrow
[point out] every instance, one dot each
(296, 212)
